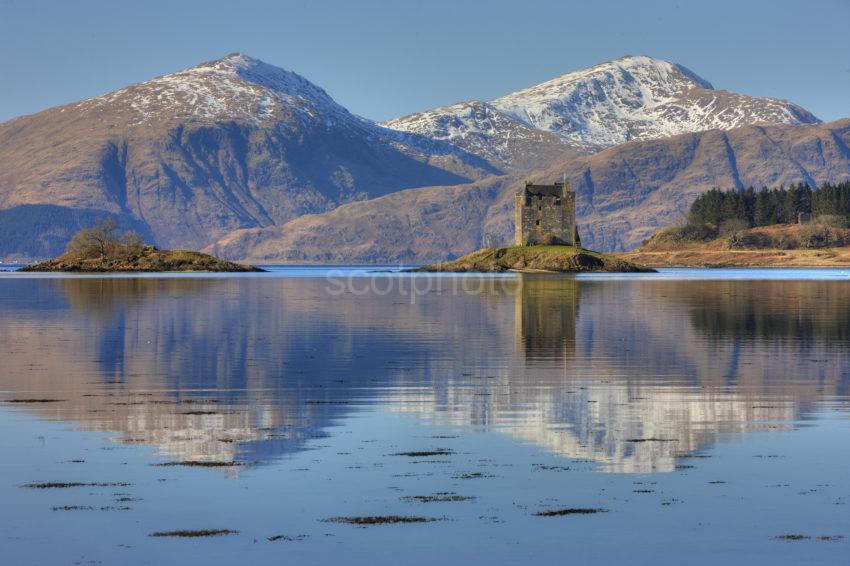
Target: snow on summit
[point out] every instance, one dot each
(630, 98)
(232, 88)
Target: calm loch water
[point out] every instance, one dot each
(689, 417)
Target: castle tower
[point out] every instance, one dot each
(546, 215)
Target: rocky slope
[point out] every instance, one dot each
(631, 98)
(188, 157)
(624, 194)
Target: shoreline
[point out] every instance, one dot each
(696, 257)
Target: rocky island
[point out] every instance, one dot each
(536, 259)
(101, 250)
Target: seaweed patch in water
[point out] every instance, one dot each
(472, 476)
(445, 496)
(379, 520)
(425, 453)
(200, 464)
(652, 440)
(286, 538)
(542, 467)
(792, 536)
(65, 485)
(194, 533)
(570, 511)
(90, 508)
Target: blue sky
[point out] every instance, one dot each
(383, 59)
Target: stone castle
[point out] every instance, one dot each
(546, 215)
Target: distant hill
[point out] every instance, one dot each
(624, 195)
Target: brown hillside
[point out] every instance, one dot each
(624, 195)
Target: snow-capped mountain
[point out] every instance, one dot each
(631, 98)
(481, 129)
(236, 87)
(187, 157)
(238, 146)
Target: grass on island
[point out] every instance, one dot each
(554, 259)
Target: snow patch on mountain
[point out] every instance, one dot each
(236, 87)
(479, 128)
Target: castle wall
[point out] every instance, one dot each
(537, 216)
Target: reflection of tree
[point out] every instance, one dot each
(545, 318)
(804, 311)
(103, 296)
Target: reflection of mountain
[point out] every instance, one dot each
(632, 374)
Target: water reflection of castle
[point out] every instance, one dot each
(545, 316)
(229, 369)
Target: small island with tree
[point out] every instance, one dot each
(782, 227)
(102, 249)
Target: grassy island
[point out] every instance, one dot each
(530, 259)
(101, 250)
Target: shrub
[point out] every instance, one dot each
(749, 240)
(831, 220)
(676, 235)
(733, 225)
(102, 239)
(813, 237)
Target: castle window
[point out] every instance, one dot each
(557, 202)
(537, 223)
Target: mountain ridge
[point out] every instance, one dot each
(238, 146)
(626, 99)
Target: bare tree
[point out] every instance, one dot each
(102, 239)
(133, 241)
